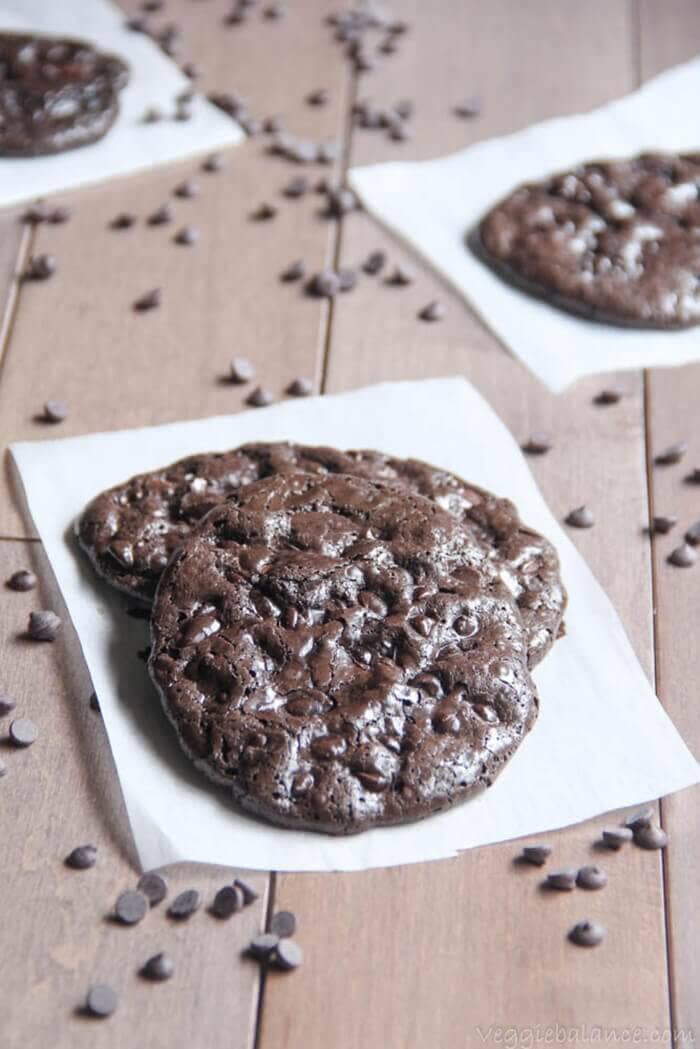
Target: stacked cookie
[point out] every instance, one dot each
(344, 639)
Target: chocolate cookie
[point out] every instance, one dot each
(55, 94)
(615, 241)
(131, 531)
(338, 653)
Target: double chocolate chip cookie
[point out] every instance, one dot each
(615, 241)
(131, 531)
(339, 653)
(55, 94)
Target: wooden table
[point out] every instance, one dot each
(440, 956)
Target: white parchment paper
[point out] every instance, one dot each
(602, 740)
(129, 145)
(432, 203)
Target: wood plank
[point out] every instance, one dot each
(670, 34)
(14, 240)
(76, 334)
(62, 792)
(434, 955)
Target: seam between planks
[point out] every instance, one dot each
(12, 305)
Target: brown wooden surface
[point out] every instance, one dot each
(426, 956)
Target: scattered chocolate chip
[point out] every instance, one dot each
(187, 235)
(249, 894)
(153, 886)
(94, 702)
(7, 704)
(151, 115)
(692, 535)
(651, 837)
(537, 444)
(641, 818)
(283, 923)
(160, 216)
(186, 190)
(693, 477)
(295, 271)
(151, 6)
(536, 854)
(101, 1000)
(43, 626)
(184, 98)
(296, 187)
(288, 955)
(23, 732)
(130, 907)
(587, 934)
(325, 284)
(564, 879)
(124, 220)
(591, 877)
(213, 163)
(22, 580)
(148, 301)
(40, 267)
(55, 411)
(137, 24)
(228, 901)
(273, 12)
(82, 857)
(241, 370)
(191, 70)
(263, 946)
(260, 397)
(340, 201)
(35, 214)
(611, 395)
(683, 556)
(470, 107)
(58, 215)
(272, 125)
(374, 263)
(399, 132)
(300, 388)
(185, 904)
(319, 97)
(264, 213)
(662, 525)
(581, 517)
(158, 967)
(401, 276)
(434, 311)
(347, 279)
(616, 837)
(671, 455)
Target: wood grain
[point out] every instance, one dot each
(438, 954)
(669, 34)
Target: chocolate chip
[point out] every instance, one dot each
(536, 854)
(101, 1000)
(272, 125)
(651, 837)
(663, 525)
(153, 886)
(537, 444)
(641, 818)
(35, 214)
(22, 580)
(610, 395)
(671, 455)
(43, 626)
(151, 115)
(374, 263)
(137, 24)
(158, 967)
(150, 300)
(186, 190)
(295, 271)
(263, 946)
(683, 556)
(283, 923)
(82, 857)
(58, 215)
(616, 837)
(470, 107)
(319, 97)
(325, 284)
(264, 213)
(693, 477)
(581, 517)
(340, 201)
(260, 397)
(94, 702)
(40, 267)
(398, 132)
(587, 934)
(7, 704)
(692, 535)
(191, 70)
(227, 901)
(249, 894)
(296, 187)
(130, 907)
(55, 411)
(564, 879)
(124, 220)
(241, 370)
(183, 112)
(401, 276)
(434, 311)
(300, 388)
(187, 235)
(185, 904)
(273, 12)
(213, 163)
(23, 732)
(152, 6)
(288, 955)
(160, 216)
(591, 877)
